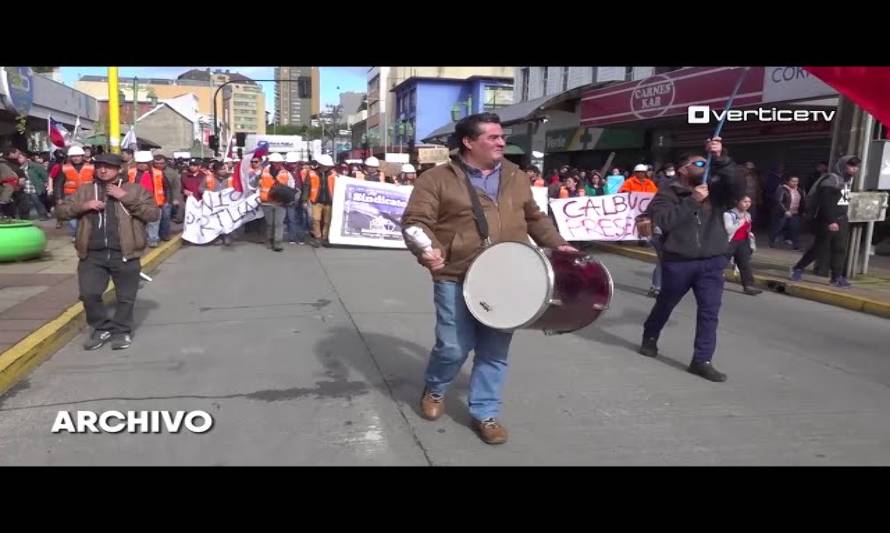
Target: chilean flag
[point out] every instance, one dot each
(867, 87)
(241, 176)
(56, 132)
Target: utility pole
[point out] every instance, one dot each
(114, 110)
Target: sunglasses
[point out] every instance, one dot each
(699, 164)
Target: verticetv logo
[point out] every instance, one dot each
(132, 422)
(701, 114)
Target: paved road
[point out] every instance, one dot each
(315, 357)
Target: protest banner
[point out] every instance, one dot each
(219, 213)
(368, 213)
(600, 218)
(541, 197)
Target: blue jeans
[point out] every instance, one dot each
(295, 222)
(164, 227)
(154, 228)
(457, 333)
(705, 278)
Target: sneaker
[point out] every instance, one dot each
(750, 291)
(97, 340)
(121, 341)
(653, 292)
(293, 242)
(302, 243)
(153, 245)
(314, 242)
(707, 371)
(841, 282)
(278, 248)
(796, 274)
(789, 243)
(649, 348)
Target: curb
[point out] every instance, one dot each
(775, 284)
(20, 359)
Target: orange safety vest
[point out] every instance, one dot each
(157, 178)
(73, 179)
(315, 185)
(267, 181)
(564, 192)
(634, 184)
(210, 182)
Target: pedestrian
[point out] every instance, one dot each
(294, 220)
(152, 180)
(787, 210)
(827, 204)
(821, 170)
(219, 181)
(534, 176)
(438, 206)
(273, 208)
(571, 189)
(194, 180)
(690, 215)
(127, 158)
(111, 215)
(408, 175)
(753, 189)
(12, 181)
(33, 187)
(596, 185)
(639, 182)
(372, 170)
(742, 243)
(321, 196)
(173, 184)
(75, 173)
(88, 154)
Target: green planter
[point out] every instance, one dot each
(20, 240)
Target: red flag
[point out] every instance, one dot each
(867, 87)
(236, 179)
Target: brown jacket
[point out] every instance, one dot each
(139, 202)
(440, 205)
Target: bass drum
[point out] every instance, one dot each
(512, 285)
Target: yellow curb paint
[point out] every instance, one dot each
(816, 294)
(18, 361)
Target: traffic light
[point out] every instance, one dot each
(240, 138)
(214, 143)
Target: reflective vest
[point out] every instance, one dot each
(73, 179)
(210, 182)
(315, 186)
(564, 192)
(157, 179)
(267, 181)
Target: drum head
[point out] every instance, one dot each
(509, 285)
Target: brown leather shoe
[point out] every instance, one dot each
(432, 405)
(490, 431)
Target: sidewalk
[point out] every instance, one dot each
(40, 308)
(869, 294)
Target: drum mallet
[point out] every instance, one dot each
(419, 239)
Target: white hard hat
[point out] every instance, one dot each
(291, 157)
(75, 150)
(372, 162)
(408, 168)
(142, 156)
(324, 160)
(641, 168)
(275, 157)
(227, 160)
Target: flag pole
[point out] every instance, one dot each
(735, 91)
(114, 109)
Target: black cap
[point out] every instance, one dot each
(113, 160)
(194, 161)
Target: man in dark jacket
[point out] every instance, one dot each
(827, 205)
(111, 216)
(694, 247)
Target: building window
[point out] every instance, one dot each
(412, 101)
(497, 96)
(304, 87)
(524, 76)
(628, 73)
(544, 80)
(565, 78)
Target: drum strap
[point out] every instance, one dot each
(481, 222)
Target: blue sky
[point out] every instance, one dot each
(346, 78)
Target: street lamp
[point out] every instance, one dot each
(216, 94)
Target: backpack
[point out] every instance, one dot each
(811, 204)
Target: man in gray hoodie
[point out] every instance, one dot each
(827, 204)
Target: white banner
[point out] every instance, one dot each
(541, 196)
(600, 218)
(218, 213)
(368, 213)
